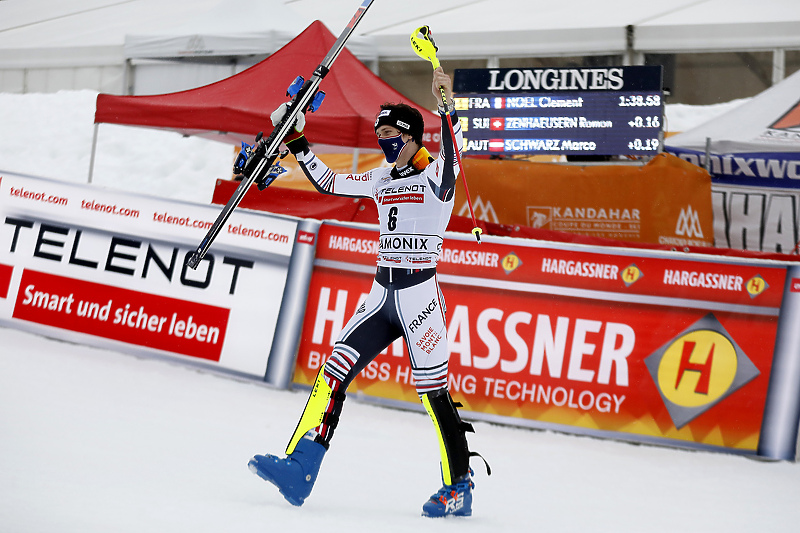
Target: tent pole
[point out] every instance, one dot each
(355, 160)
(127, 77)
(707, 162)
(94, 150)
(778, 65)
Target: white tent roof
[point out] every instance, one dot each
(768, 122)
(720, 25)
(57, 32)
(228, 28)
(481, 28)
(53, 33)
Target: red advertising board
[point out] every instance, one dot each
(5, 279)
(647, 346)
(134, 317)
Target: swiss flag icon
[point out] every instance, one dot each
(497, 124)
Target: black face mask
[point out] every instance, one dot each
(391, 147)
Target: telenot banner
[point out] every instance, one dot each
(102, 267)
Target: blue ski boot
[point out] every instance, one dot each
(451, 500)
(295, 475)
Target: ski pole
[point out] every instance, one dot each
(422, 42)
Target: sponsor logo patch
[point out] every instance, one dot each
(631, 274)
(699, 368)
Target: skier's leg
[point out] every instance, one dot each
(426, 337)
(451, 434)
(322, 410)
(365, 336)
(455, 496)
(295, 475)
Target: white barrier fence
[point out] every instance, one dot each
(702, 349)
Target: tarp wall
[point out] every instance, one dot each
(753, 155)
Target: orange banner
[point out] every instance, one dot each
(667, 201)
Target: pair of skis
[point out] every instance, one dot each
(257, 162)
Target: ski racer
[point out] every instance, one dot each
(415, 199)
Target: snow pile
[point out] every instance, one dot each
(50, 135)
(682, 117)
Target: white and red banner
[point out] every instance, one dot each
(640, 345)
(98, 266)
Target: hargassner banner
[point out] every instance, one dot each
(102, 267)
(648, 346)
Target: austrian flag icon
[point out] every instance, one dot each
(496, 145)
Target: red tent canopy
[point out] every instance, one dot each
(237, 108)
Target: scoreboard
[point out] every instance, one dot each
(603, 111)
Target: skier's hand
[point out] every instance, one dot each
(279, 113)
(292, 135)
(440, 79)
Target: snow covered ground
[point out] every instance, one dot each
(94, 441)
